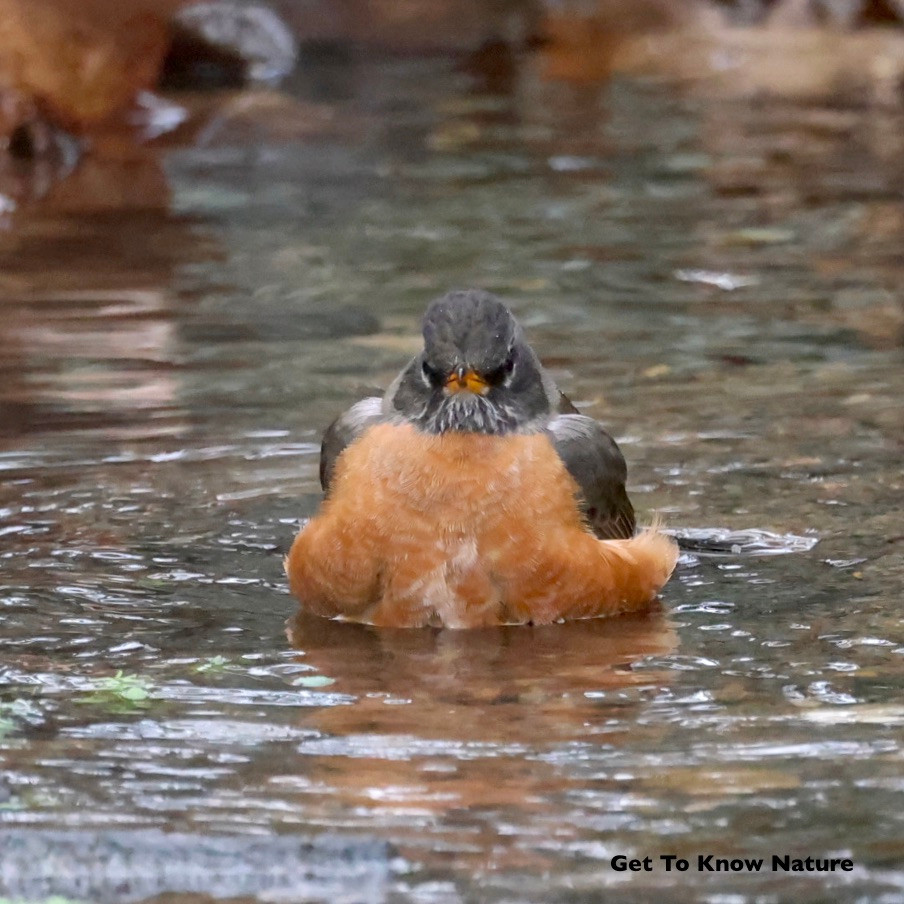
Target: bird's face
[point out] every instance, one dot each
(476, 373)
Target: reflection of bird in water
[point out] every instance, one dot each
(456, 724)
(500, 665)
(470, 494)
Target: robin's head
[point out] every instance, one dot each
(476, 373)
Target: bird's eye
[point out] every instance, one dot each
(431, 376)
(501, 375)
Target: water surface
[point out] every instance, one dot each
(719, 283)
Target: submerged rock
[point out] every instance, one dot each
(136, 864)
(224, 43)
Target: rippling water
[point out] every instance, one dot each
(718, 283)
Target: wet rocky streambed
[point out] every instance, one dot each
(718, 282)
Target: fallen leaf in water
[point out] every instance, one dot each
(583, 42)
(758, 235)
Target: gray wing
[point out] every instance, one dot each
(598, 467)
(343, 431)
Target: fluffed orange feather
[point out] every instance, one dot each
(464, 530)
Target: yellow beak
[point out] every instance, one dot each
(466, 381)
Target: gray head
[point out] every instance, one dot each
(476, 373)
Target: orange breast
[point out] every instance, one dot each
(464, 530)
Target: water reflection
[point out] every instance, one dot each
(88, 338)
(467, 727)
(561, 674)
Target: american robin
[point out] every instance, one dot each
(473, 493)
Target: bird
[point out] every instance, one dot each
(473, 493)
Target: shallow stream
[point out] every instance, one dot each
(719, 283)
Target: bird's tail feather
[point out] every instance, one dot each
(640, 566)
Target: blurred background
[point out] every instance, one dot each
(220, 224)
(173, 174)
